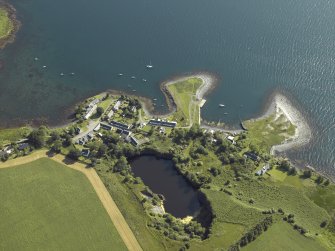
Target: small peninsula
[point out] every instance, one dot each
(241, 195)
(9, 24)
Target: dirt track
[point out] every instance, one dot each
(107, 201)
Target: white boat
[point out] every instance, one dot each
(134, 90)
(44, 66)
(35, 59)
(221, 105)
(120, 74)
(133, 77)
(144, 80)
(62, 74)
(72, 73)
(226, 113)
(154, 99)
(149, 66)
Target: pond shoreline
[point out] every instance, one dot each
(205, 215)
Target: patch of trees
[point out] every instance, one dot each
(198, 179)
(122, 166)
(38, 137)
(252, 234)
(74, 154)
(100, 111)
(175, 229)
(307, 174)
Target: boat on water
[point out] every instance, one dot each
(149, 66)
(154, 99)
(44, 66)
(221, 105)
(72, 73)
(226, 113)
(144, 80)
(134, 90)
(120, 74)
(36, 59)
(133, 77)
(62, 74)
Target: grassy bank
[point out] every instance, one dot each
(267, 132)
(183, 94)
(280, 237)
(13, 134)
(6, 24)
(46, 205)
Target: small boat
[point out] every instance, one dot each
(149, 66)
(144, 80)
(134, 90)
(120, 74)
(226, 113)
(133, 77)
(72, 73)
(154, 99)
(44, 66)
(36, 59)
(221, 105)
(62, 74)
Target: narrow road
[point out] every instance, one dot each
(113, 211)
(92, 124)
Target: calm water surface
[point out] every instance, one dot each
(181, 199)
(254, 47)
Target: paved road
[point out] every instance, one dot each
(92, 124)
(113, 211)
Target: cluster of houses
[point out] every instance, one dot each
(8, 150)
(83, 140)
(91, 108)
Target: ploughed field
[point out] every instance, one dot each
(48, 206)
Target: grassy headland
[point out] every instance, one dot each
(9, 25)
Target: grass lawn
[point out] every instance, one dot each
(13, 134)
(281, 236)
(48, 206)
(183, 94)
(6, 25)
(269, 131)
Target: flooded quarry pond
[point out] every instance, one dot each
(160, 175)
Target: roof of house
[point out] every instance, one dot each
(159, 122)
(23, 146)
(119, 125)
(252, 156)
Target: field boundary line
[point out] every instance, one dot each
(106, 199)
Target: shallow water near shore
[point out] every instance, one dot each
(253, 47)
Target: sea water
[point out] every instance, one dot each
(254, 47)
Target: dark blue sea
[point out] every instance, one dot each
(254, 47)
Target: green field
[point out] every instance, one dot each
(13, 134)
(6, 25)
(269, 131)
(184, 96)
(48, 206)
(281, 236)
